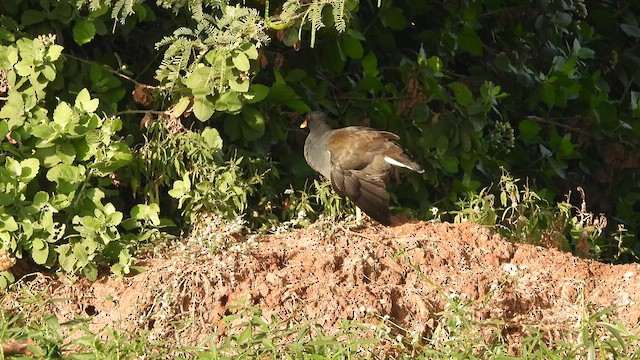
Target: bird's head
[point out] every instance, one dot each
(315, 119)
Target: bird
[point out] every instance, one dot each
(357, 160)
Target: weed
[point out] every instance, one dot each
(522, 215)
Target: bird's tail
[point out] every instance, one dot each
(402, 160)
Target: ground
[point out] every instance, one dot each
(410, 274)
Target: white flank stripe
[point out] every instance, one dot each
(396, 162)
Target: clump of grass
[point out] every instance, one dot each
(523, 215)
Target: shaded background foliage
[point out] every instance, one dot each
(209, 95)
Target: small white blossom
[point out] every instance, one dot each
(510, 269)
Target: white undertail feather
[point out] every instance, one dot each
(395, 162)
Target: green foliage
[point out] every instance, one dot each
(219, 57)
(522, 215)
(58, 170)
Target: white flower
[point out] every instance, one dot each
(510, 269)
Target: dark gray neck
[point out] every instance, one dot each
(319, 127)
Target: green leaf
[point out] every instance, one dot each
(119, 155)
(548, 94)
(80, 253)
(66, 258)
(66, 177)
(8, 223)
(199, 81)
(566, 146)
(6, 278)
(353, 48)
(393, 18)
(631, 30)
(83, 32)
(255, 122)
(38, 244)
(114, 219)
(181, 106)
(470, 41)
(8, 57)
(63, 115)
(54, 52)
(291, 36)
(13, 166)
(29, 170)
(256, 93)
(462, 93)
(245, 335)
(49, 72)
(212, 137)
(31, 17)
(370, 64)
(146, 212)
(229, 101)
(84, 102)
(203, 108)
(40, 199)
(241, 61)
(586, 53)
(66, 152)
(251, 51)
(449, 163)
(298, 106)
(180, 187)
(40, 251)
(529, 128)
(238, 84)
(91, 272)
(442, 145)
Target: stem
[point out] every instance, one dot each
(105, 67)
(126, 112)
(552, 122)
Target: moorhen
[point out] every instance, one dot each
(357, 160)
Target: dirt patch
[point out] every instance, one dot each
(410, 273)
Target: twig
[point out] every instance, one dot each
(552, 122)
(105, 67)
(126, 112)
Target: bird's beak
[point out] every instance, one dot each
(304, 124)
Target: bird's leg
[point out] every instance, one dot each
(356, 224)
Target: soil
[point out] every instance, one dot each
(409, 274)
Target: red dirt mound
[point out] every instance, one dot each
(326, 273)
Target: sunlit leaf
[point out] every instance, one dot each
(83, 32)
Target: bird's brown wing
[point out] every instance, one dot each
(357, 147)
(358, 169)
(368, 193)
